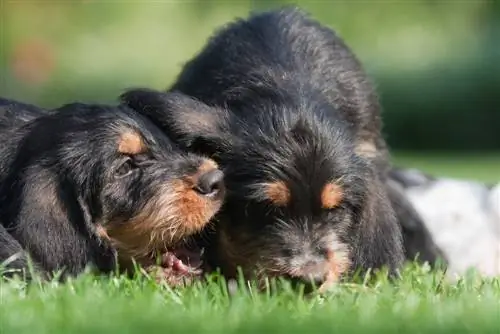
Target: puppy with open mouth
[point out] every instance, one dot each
(95, 185)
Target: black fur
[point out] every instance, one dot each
(73, 194)
(14, 113)
(418, 242)
(280, 98)
(12, 255)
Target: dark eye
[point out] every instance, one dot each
(332, 209)
(125, 168)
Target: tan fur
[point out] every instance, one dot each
(175, 213)
(335, 265)
(366, 149)
(131, 142)
(206, 166)
(260, 266)
(101, 232)
(278, 193)
(339, 263)
(338, 255)
(331, 196)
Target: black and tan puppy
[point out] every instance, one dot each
(100, 185)
(282, 104)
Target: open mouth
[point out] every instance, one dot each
(179, 266)
(183, 260)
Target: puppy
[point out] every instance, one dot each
(101, 186)
(282, 104)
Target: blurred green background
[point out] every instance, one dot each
(436, 63)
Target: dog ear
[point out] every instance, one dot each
(51, 223)
(379, 241)
(418, 241)
(191, 123)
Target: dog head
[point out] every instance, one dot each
(136, 189)
(301, 203)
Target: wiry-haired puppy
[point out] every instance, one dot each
(282, 104)
(101, 186)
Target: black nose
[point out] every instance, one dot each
(210, 183)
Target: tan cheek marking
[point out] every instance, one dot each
(278, 193)
(339, 263)
(131, 142)
(193, 209)
(174, 213)
(331, 196)
(151, 229)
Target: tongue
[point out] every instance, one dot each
(190, 257)
(182, 260)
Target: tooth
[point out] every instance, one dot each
(169, 262)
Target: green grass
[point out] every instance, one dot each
(482, 166)
(418, 303)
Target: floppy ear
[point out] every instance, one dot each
(190, 122)
(51, 223)
(418, 240)
(379, 241)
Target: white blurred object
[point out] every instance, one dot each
(463, 218)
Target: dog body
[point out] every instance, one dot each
(282, 104)
(15, 113)
(97, 185)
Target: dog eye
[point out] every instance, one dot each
(125, 168)
(330, 210)
(141, 158)
(337, 209)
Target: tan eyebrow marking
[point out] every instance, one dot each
(331, 196)
(131, 142)
(277, 192)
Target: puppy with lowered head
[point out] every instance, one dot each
(285, 108)
(100, 185)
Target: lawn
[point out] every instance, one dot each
(482, 166)
(420, 302)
